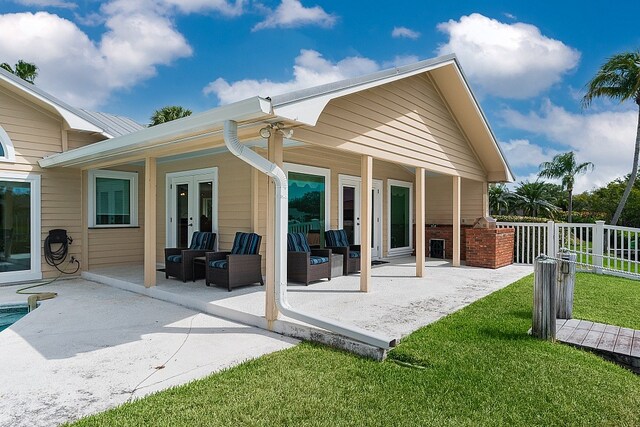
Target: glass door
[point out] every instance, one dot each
(19, 229)
(400, 217)
(349, 219)
(191, 205)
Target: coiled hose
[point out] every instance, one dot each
(56, 257)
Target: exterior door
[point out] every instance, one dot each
(349, 219)
(191, 205)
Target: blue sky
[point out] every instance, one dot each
(527, 62)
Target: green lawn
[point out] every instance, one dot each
(475, 367)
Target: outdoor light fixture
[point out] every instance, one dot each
(265, 132)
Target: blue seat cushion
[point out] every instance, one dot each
(336, 238)
(221, 263)
(314, 260)
(245, 244)
(202, 241)
(354, 254)
(297, 242)
(175, 258)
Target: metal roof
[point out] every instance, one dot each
(106, 124)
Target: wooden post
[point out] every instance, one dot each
(149, 222)
(485, 198)
(456, 222)
(84, 206)
(366, 173)
(274, 155)
(566, 282)
(420, 222)
(544, 299)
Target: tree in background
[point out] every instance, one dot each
(500, 199)
(25, 70)
(564, 167)
(168, 113)
(532, 198)
(619, 79)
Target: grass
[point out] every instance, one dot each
(475, 367)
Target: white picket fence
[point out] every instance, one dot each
(599, 248)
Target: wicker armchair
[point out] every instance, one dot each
(240, 267)
(304, 264)
(178, 262)
(337, 241)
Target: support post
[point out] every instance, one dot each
(544, 299)
(456, 222)
(275, 155)
(420, 222)
(84, 206)
(485, 198)
(366, 171)
(566, 282)
(598, 246)
(149, 222)
(551, 239)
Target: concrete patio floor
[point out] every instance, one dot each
(398, 303)
(94, 347)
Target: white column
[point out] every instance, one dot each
(420, 222)
(149, 222)
(456, 221)
(366, 172)
(274, 155)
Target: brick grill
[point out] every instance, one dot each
(489, 248)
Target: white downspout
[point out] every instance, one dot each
(281, 208)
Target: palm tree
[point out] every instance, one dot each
(619, 79)
(500, 199)
(168, 113)
(564, 167)
(25, 70)
(533, 199)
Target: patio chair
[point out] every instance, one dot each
(178, 262)
(337, 241)
(304, 264)
(239, 267)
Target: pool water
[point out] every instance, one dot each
(11, 313)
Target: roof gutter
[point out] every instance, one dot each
(281, 204)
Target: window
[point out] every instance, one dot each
(7, 153)
(113, 199)
(400, 217)
(308, 199)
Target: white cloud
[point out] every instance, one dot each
(48, 3)
(404, 32)
(400, 60)
(522, 153)
(606, 139)
(228, 8)
(291, 13)
(83, 72)
(507, 60)
(310, 69)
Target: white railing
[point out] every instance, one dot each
(600, 248)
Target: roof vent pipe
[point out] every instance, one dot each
(281, 207)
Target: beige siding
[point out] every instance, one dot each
(403, 122)
(80, 139)
(35, 134)
(439, 200)
(108, 246)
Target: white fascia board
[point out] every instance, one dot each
(74, 121)
(307, 110)
(247, 110)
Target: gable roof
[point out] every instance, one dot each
(108, 125)
(304, 107)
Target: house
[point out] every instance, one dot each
(33, 200)
(375, 155)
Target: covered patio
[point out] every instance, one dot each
(397, 304)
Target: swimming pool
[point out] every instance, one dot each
(11, 313)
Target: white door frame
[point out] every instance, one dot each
(356, 181)
(406, 250)
(35, 272)
(191, 177)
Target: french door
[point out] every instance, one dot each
(191, 205)
(349, 218)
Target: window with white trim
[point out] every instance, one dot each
(113, 199)
(7, 152)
